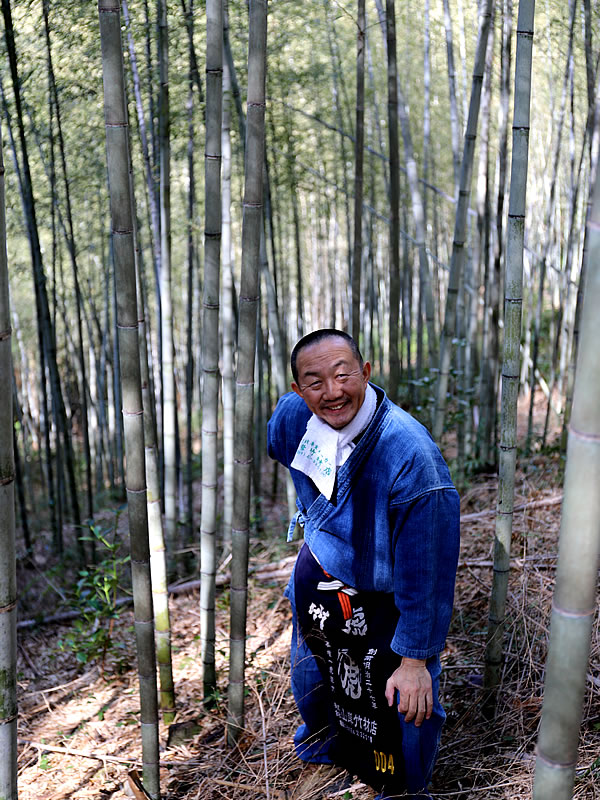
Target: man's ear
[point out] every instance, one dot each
(366, 371)
(297, 389)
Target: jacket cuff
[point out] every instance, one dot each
(410, 651)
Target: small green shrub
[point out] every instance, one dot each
(95, 598)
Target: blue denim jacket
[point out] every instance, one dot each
(392, 524)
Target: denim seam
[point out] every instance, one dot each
(424, 493)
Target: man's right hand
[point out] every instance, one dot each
(413, 682)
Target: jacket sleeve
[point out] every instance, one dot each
(426, 534)
(285, 428)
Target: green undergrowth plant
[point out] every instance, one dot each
(95, 598)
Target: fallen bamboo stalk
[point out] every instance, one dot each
(544, 562)
(490, 512)
(50, 748)
(278, 569)
(132, 762)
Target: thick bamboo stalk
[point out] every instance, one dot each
(210, 338)
(573, 605)
(8, 581)
(244, 400)
(156, 538)
(117, 148)
(191, 279)
(228, 376)
(168, 356)
(512, 331)
(460, 225)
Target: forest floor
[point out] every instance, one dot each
(78, 725)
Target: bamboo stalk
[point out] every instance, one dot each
(228, 374)
(244, 401)
(574, 599)
(117, 148)
(210, 338)
(512, 331)
(460, 225)
(358, 169)
(8, 582)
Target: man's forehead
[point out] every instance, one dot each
(331, 352)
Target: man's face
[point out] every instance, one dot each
(330, 380)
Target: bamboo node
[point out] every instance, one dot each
(132, 413)
(8, 720)
(586, 437)
(7, 609)
(252, 205)
(6, 481)
(111, 10)
(127, 327)
(116, 124)
(565, 612)
(554, 764)
(5, 334)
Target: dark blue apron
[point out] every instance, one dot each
(349, 633)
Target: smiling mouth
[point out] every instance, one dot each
(335, 408)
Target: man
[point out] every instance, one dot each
(373, 585)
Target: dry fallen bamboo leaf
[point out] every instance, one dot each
(134, 788)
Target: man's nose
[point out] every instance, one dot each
(331, 388)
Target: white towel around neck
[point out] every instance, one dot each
(323, 449)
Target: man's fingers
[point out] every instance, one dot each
(408, 706)
(429, 706)
(416, 707)
(423, 707)
(389, 691)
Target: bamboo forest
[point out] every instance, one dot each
(187, 189)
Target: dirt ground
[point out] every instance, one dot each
(78, 725)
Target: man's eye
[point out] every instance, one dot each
(342, 376)
(314, 385)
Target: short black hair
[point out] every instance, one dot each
(317, 336)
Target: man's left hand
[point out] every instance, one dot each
(413, 682)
